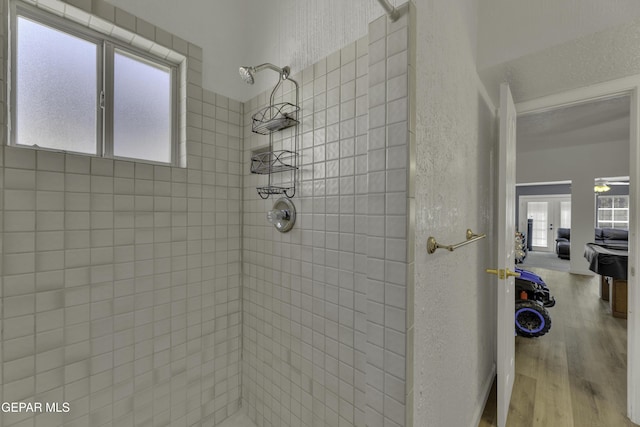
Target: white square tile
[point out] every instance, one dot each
(102, 167)
(332, 63)
(77, 164)
(19, 200)
(19, 179)
(19, 158)
(397, 65)
(50, 161)
(19, 221)
(51, 181)
(378, 29)
(50, 200)
(397, 87)
(378, 72)
(397, 42)
(398, 111)
(396, 180)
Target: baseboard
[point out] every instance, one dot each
(488, 382)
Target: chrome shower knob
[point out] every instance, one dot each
(283, 215)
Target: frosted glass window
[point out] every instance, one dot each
(77, 90)
(538, 212)
(56, 89)
(141, 109)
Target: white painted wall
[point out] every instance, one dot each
(509, 29)
(597, 57)
(250, 32)
(454, 297)
(581, 165)
(564, 163)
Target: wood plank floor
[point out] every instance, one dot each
(576, 374)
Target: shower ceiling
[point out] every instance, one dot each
(298, 33)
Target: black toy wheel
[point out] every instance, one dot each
(532, 319)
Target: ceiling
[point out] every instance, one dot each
(509, 29)
(593, 122)
(299, 33)
(251, 32)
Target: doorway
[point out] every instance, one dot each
(547, 213)
(627, 89)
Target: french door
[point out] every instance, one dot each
(548, 212)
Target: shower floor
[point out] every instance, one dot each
(239, 419)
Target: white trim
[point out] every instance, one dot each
(605, 90)
(486, 393)
(535, 184)
(545, 196)
(624, 86)
(633, 320)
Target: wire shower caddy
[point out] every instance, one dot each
(275, 118)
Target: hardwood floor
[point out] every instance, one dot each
(576, 374)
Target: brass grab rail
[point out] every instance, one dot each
(432, 245)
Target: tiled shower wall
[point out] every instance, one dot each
(304, 357)
(121, 280)
(325, 305)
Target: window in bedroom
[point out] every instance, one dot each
(613, 212)
(76, 90)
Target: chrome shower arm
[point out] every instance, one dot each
(391, 11)
(284, 72)
(247, 72)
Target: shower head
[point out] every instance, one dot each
(247, 73)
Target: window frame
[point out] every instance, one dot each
(106, 47)
(612, 209)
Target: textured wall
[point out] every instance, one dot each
(454, 298)
(121, 280)
(593, 58)
(509, 29)
(566, 163)
(249, 32)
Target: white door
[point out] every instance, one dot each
(505, 257)
(541, 236)
(548, 212)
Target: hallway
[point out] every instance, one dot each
(576, 374)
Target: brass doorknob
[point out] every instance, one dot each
(512, 273)
(502, 273)
(499, 273)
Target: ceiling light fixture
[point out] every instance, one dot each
(601, 186)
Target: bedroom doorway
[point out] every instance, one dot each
(623, 91)
(548, 213)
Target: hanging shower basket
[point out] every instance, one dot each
(265, 192)
(266, 121)
(268, 162)
(275, 117)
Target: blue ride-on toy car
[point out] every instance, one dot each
(532, 300)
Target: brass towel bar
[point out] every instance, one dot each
(432, 245)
